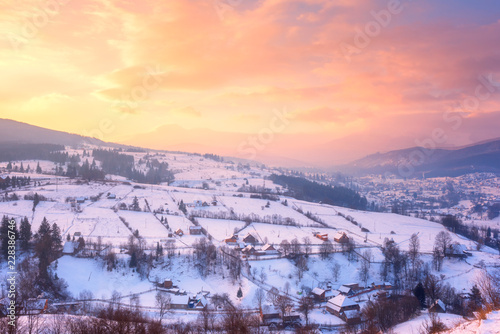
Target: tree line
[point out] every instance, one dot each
(304, 189)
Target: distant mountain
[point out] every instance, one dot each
(13, 131)
(418, 161)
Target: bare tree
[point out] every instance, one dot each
(433, 288)
(442, 242)
(285, 247)
(301, 266)
(262, 275)
(306, 305)
(86, 296)
(364, 271)
(414, 248)
(296, 248)
(259, 297)
(235, 321)
(326, 249)
(272, 296)
(335, 271)
(206, 320)
(437, 258)
(307, 245)
(284, 304)
(163, 301)
(115, 299)
(489, 285)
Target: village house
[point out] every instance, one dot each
(270, 250)
(381, 285)
(438, 307)
(248, 250)
(179, 232)
(168, 284)
(179, 302)
(458, 251)
(318, 295)
(198, 302)
(331, 293)
(320, 236)
(111, 196)
(70, 247)
(344, 308)
(349, 289)
(4, 180)
(269, 314)
(195, 230)
(66, 307)
(36, 306)
(231, 241)
(341, 237)
(250, 239)
(346, 291)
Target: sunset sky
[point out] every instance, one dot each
(291, 82)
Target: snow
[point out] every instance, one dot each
(87, 274)
(414, 326)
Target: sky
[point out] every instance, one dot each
(290, 82)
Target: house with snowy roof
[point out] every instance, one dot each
(438, 307)
(70, 247)
(250, 239)
(179, 302)
(347, 290)
(344, 308)
(270, 250)
(198, 302)
(331, 293)
(457, 250)
(341, 237)
(195, 230)
(318, 294)
(249, 250)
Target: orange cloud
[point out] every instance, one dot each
(231, 69)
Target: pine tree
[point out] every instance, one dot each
(133, 260)
(239, 294)
(36, 200)
(419, 293)
(22, 168)
(43, 247)
(475, 299)
(159, 251)
(81, 243)
(135, 204)
(25, 233)
(38, 168)
(56, 239)
(182, 207)
(9, 166)
(4, 233)
(44, 228)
